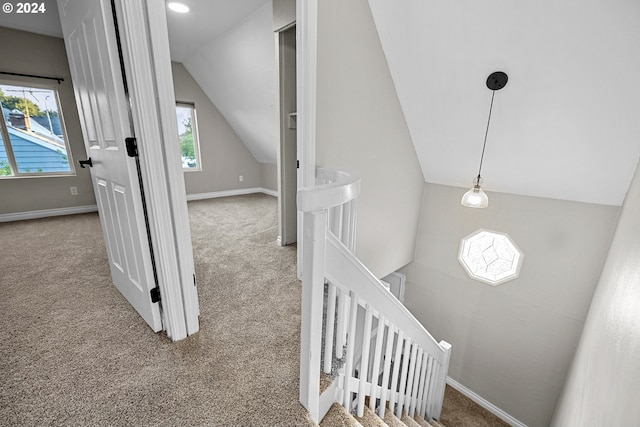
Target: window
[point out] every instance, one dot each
(490, 257)
(32, 135)
(188, 136)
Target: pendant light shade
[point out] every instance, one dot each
(476, 197)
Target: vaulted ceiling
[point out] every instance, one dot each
(566, 126)
(234, 64)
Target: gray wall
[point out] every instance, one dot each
(28, 53)
(603, 384)
(269, 176)
(512, 344)
(361, 129)
(224, 157)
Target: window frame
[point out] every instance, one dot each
(4, 133)
(196, 136)
(516, 264)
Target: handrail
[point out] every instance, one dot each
(345, 270)
(338, 187)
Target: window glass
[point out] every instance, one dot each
(490, 257)
(32, 132)
(188, 136)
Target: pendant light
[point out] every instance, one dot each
(476, 197)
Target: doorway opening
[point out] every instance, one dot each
(287, 148)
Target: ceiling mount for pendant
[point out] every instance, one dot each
(497, 80)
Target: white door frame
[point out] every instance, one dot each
(306, 68)
(145, 42)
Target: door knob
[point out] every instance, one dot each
(85, 162)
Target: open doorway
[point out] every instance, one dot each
(287, 149)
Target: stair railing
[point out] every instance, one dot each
(390, 357)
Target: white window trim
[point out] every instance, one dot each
(196, 135)
(4, 133)
(514, 274)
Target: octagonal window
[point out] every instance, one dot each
(490, 257)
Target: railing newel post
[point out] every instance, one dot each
(312, 295)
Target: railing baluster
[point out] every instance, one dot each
(396, 371)
(339, 221)
(330, 320)
(377, 355)
(341, 330)
(353, 207)
(364, 361)
(353, 316)
(386, 371)
(410, 374)
(423, 381)
(403, 377)
(346, 224)
(416, 384)
(432, 390)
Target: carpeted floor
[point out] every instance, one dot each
(74, 353)
(458, 410)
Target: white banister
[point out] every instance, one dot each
(336, 188)
(390, 356)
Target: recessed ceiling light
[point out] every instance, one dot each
(178, 7)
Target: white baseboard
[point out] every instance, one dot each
(485, 404)
(228, 193)
(19, 216)
(269, 192)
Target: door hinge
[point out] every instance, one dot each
(155, 294)
(132, 146)
(297, 164)
(194, 280)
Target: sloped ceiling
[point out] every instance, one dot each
(566, 126)
(206, 21)
(235, 68)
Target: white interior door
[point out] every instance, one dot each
(90, 39)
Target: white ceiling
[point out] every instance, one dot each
(566, 126)
(207, 20)
(47, 23)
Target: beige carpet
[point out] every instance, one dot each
(458, 410)
(74, 353)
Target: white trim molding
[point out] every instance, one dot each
(306, 73)
(485, 404)
(147, 66)
(229, 193)
(44, 213)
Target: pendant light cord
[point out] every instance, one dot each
(493, 93)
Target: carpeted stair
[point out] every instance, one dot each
(339, 417)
